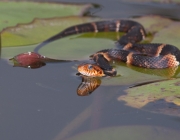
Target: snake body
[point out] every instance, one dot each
(150, 55)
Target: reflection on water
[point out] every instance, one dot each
(88, 85)
(162, 106)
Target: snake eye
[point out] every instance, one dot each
(90, 67)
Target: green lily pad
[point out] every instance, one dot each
(169, 35)
(12, 13)
(140, 96)
(153, 23)
(131, 75)
(9, 52)
(39, 30)
(25, 34)
(23, 14)
(129, 133)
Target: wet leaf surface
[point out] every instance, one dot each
(169, 35)
(39, 30)
(134, 75)
(12, 13)
(129, 133)
(140, 96)
(146, 95)
(153, 23)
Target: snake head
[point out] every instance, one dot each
(91, 70)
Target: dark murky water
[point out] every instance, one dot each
(119, 9)
(39, 104)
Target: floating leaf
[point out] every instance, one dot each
(129, 133)
(169, 35)
(39, 30)
(134, 75)
(140, 96)
(153, 23)
(12, 13)
(75, 48)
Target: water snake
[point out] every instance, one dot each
(153, 56)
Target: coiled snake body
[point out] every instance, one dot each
(143, 55)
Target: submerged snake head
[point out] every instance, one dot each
(91, 70)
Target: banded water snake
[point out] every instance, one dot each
(150, 55)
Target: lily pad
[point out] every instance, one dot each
(153, 23)
(169, 35)
(39, 30)
(12, 13)
(140, 96)
(129, 133)
(132, 75)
